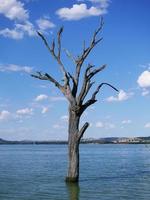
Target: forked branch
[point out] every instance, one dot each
(82, 130)
(63, 88)
(46, 76)
(93, 99)
(71, 82)
(53, 52)
(87, 84)
(94, 72)
(87, 50)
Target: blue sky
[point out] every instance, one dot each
(34, 109)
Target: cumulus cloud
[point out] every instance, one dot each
(127, 121)
(144, 79)
(25, 111)
(147, 125)
(11, 33)
(79, 11)
(19, 31)
(41, 97)
(122, 96)
(144, 82)
(26, 28)
(4, 115)
(15, 68)
(13, 9)
(145, 92)
(44, 24)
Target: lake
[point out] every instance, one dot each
(107, 172)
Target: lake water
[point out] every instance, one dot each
(107, 172)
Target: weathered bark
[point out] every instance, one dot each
(73, 147)
(73, 166)
(75, 96)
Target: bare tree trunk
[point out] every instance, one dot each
(73, 190)
(75, 96)
(73, 147)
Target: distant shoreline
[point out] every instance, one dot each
(109, 140)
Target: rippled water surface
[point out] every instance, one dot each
(107, 172)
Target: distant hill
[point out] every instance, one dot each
(2, 141)
(108, 140)
(31, 142)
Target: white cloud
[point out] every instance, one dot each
(147, 125)
(13, 9)
(99, 124)
(144, 79)
(105, 125)
(25, 111)
(41, 97)
(26, 28)
(44, 24)
(11, 33)
(122, 96)
(127, 121)
(15, 68)
(4, 115)
(44, 110)
(58, 126)
(145, 92)
(79, 11)
(19, 31)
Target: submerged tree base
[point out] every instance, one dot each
(71, 179)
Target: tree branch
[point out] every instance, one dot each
(58, 59)
(63, 88)
(92, 100)
(59, 41)
(52, 50)
(87, 89)
(99, 87)
(94, 72)
(87, 50)
(46, 76)
(69, 55)
(84, 91)
(82, 130)
(87, 83)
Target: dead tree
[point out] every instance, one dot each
(70, 89)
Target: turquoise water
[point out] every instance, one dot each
(108, 172)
